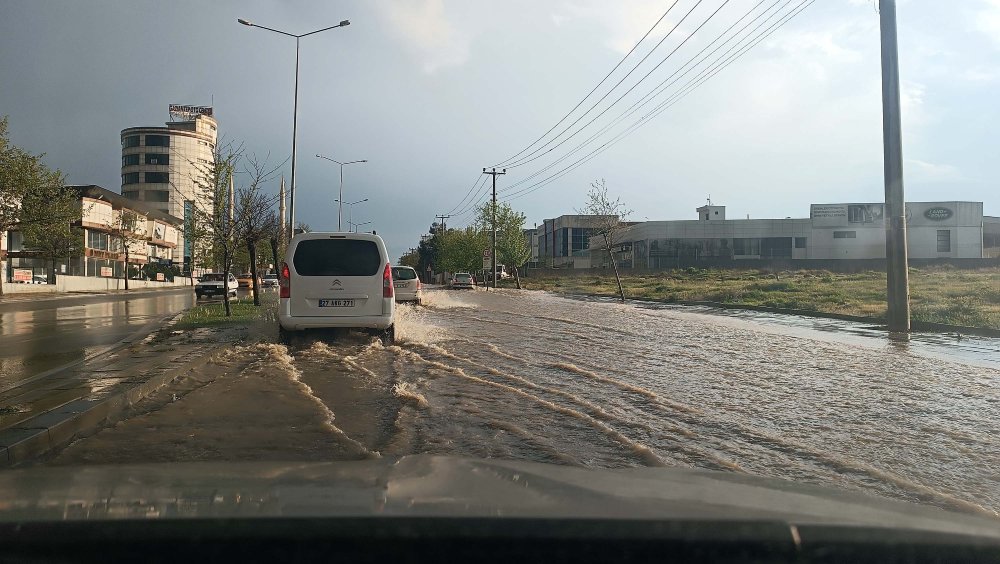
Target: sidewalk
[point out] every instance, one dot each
(51, 410)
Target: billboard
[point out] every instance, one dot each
(188, 113)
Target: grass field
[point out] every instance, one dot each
(942, 294)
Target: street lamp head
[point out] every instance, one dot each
(245, 22)
(365, 200)
(345, 23)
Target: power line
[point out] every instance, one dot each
(584, 99)
(479, 179)
(685, 90)
(660, 88)
(617, 84)
(473, 204)
(629, 91)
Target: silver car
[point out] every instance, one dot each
(407, 284)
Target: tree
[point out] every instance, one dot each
(461, 250)
(512, 246)
(49, 212)
(607, 216)
(128, 234)
(254, 213)
(212, 210)
(410, 258)
(22, 174)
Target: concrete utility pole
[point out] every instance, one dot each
(493, 259)
(897, 273)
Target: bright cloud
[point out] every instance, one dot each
(435, 39)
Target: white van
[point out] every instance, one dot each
(336, 280)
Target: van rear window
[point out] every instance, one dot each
(337, 257)
(403, 274)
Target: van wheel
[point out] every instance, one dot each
(285, 337)
(388, 336)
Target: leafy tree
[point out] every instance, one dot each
(461, 250)
(24, 180)
(49, 212)
(410, 258)
(607, 216)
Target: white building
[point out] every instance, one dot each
(832, 232)
(167, 167)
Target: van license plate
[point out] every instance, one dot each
(336, 303)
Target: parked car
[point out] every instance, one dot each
(336, 280)
(269, 280)
(212, 284)
(407, 284)
(463, 280)
(246, 280)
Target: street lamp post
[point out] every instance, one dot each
(350, 213)
(295, 109)
(340, 208)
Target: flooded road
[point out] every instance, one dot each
(45, 333)
(533, 376)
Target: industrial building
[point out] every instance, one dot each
(935, 230)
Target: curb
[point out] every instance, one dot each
(59, 427)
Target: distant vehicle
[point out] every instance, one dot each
(502, 273)
(333, 280)
(39, 279)
(246, 280)
(212, 284)
(407, 284)
(269, 280)
(463, 280)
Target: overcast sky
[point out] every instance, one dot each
(431, 91)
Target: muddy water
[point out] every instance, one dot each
(539, 377)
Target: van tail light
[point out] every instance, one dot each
(387, 282)
(419, 285)
(285, 282)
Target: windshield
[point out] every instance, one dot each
(527, 252)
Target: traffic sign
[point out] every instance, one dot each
(487, 253)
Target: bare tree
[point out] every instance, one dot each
(214, 215)
(254, 213)
(128, 232)
(607, 219)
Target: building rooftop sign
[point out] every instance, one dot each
(188, 113)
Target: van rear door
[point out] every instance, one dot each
(336, 276)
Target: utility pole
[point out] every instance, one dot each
(493, 258)
(281, 211)
(897, 274)
(444, 226)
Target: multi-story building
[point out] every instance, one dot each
(152, 238)
(167, 167)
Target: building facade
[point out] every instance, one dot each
(831, 232)
(153, 238)
(167, 167)
(564, 241)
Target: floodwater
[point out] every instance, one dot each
(46, 333)
(533, 376)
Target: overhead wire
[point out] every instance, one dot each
(659, 88)
(685, 90)
(479, 178)
(617, 84)
(629, 91)
(589, 94)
